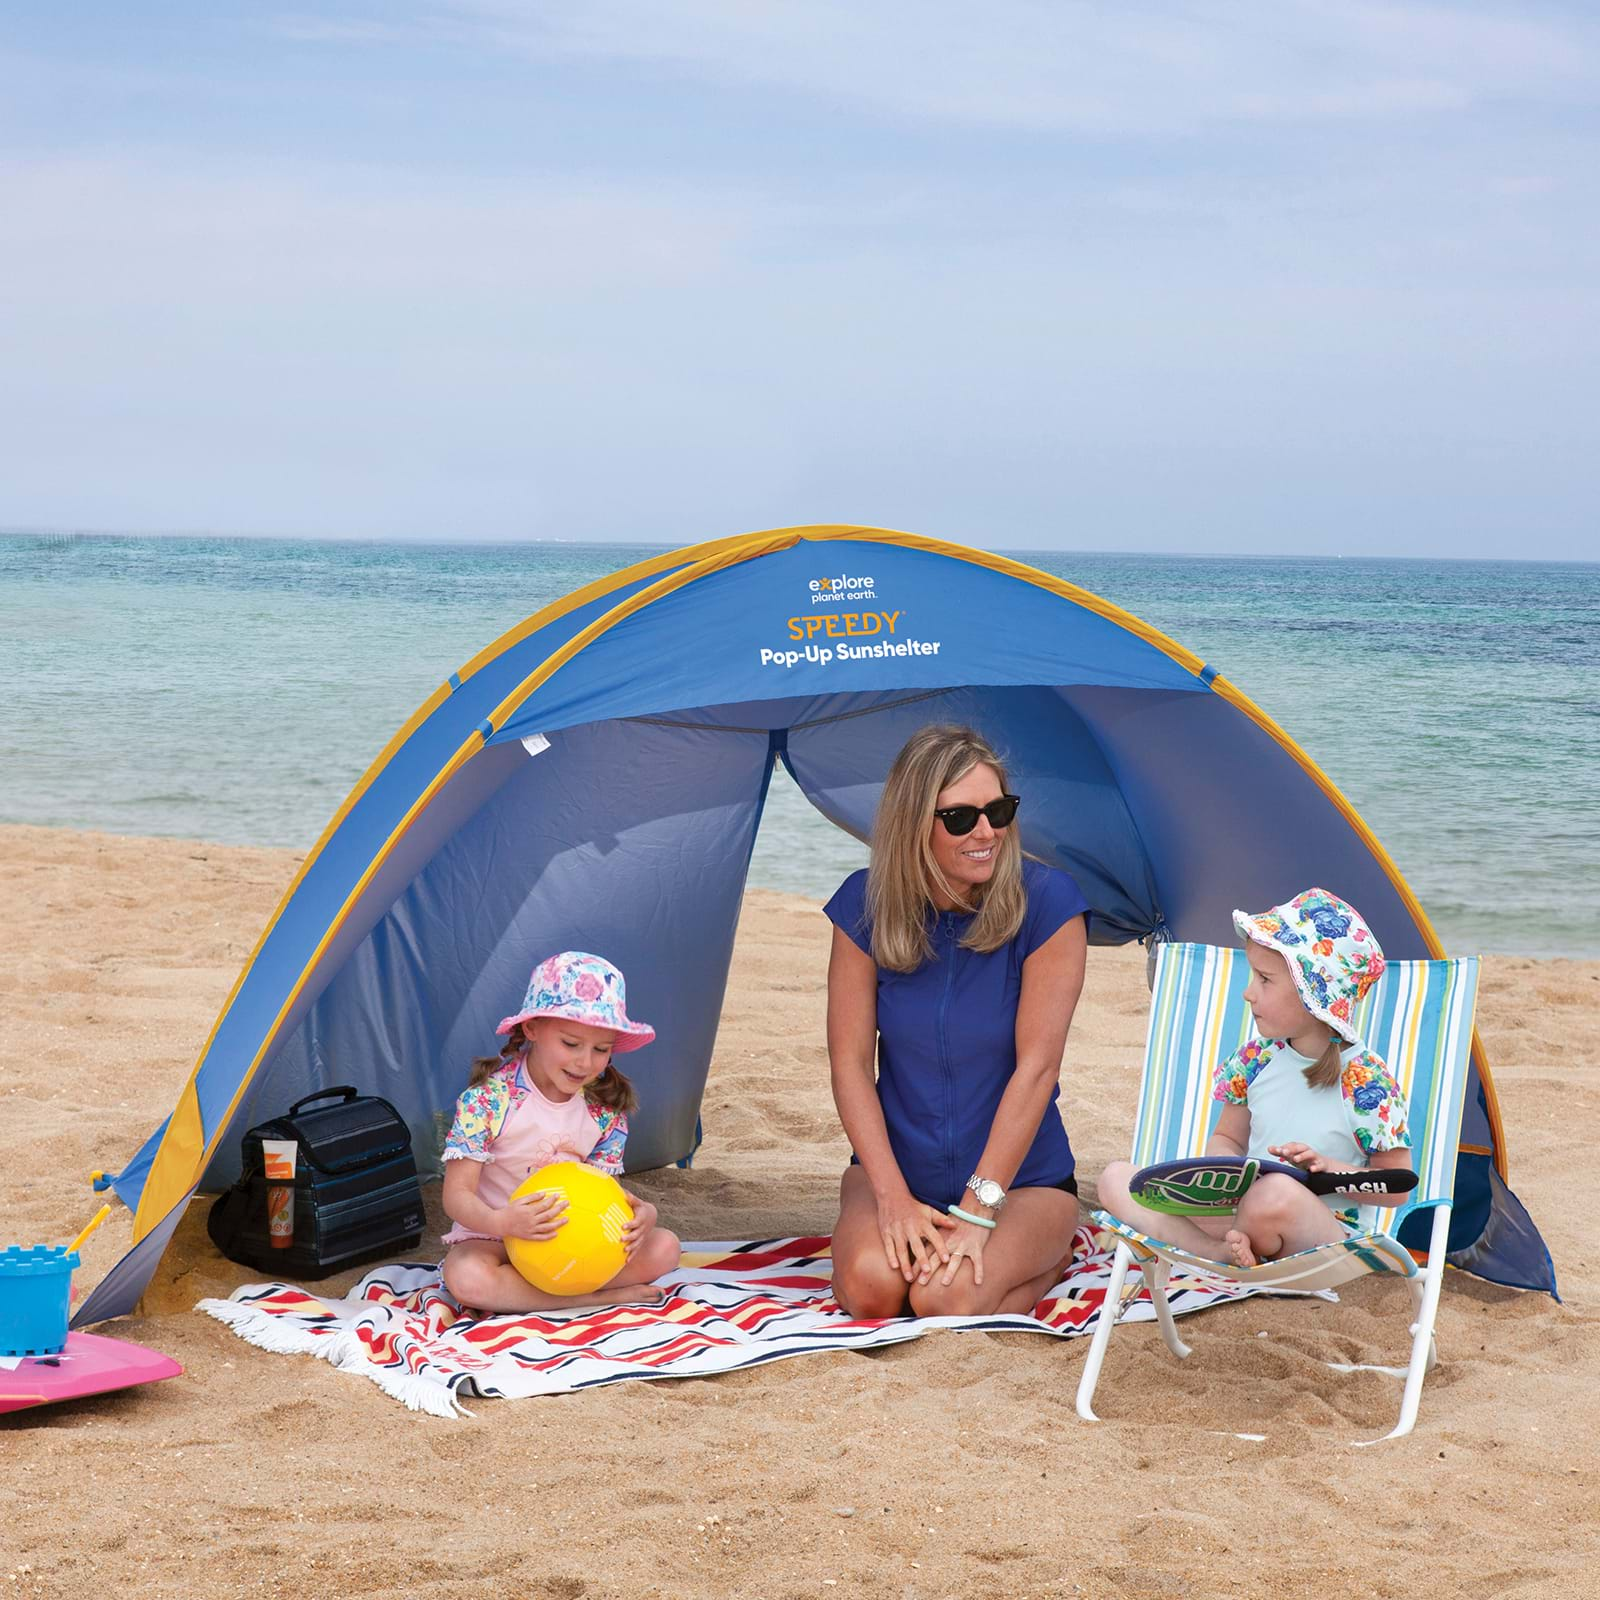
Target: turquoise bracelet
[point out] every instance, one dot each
(967, 1216)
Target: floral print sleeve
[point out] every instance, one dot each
(480, 1113)
(607, 1153)
(1376, 1106)
(1231, 1080)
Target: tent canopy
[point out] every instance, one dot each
(595, 779)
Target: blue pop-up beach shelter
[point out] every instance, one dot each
(595, 779)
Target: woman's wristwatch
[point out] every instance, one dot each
(988, 1192)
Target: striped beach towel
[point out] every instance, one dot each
(730, 1306)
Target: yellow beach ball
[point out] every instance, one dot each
(587, 1252)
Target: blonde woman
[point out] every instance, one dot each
(956, 965)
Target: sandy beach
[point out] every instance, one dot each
(952, 1466)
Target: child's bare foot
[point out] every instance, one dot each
(630, 1294)
(1239, 1251)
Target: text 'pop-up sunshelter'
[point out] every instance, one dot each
(595, 779)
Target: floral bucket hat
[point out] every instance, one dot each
(581, 988)
(1332, 955)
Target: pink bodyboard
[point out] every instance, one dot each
(89, 1364)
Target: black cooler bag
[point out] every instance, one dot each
(356, 1196)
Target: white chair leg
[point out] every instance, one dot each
(1110, 1310)
(1419, 1292)
(1156, 1272)
(1423, 1353)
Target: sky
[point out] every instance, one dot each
(1304, 276)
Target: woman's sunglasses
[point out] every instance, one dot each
(963, 819)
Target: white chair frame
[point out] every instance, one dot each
(1174, 1122)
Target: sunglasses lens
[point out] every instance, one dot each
(1001, 811)
(958, 820)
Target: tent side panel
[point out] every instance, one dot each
(629, 840)
(1230, 818)
(331, 874)
(117, 1294)
(451, 810)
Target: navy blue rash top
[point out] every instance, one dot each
(947, 1040)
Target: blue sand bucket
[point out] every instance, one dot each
(35, 1290)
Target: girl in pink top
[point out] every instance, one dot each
(552, 1094)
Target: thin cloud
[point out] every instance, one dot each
(1047, 65)
(320, 30)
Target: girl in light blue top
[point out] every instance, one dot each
(1307, 1091)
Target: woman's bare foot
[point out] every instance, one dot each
(1238, 1246)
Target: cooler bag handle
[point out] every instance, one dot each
(343, 1090)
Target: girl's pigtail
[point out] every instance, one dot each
(613, 1091)
(1326, 1070)
(482, 1066)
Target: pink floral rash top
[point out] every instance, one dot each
(481, 1113)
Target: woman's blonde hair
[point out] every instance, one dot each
(611, 1089)
(904, 879)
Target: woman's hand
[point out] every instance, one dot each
(965, 1242)
(913, 1236)
(643, 1220)
(538, 1215)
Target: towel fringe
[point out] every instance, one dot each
(341, 1350)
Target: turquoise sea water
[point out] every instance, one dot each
(235, 689)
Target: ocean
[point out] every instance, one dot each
(235, 689)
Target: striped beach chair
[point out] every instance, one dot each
(1418, 1017)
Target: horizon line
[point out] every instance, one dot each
(68, 535)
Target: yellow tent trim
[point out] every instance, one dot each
(601, 586)
(182, 1150)
(747, 548)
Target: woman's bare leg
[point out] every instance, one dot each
(1022, 1257)
(865, 1282)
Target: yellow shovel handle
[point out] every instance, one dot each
(94, 1222)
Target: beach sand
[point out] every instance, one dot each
(952, 1466)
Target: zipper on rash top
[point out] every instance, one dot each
(948, 926)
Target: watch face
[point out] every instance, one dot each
(990, 1192)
